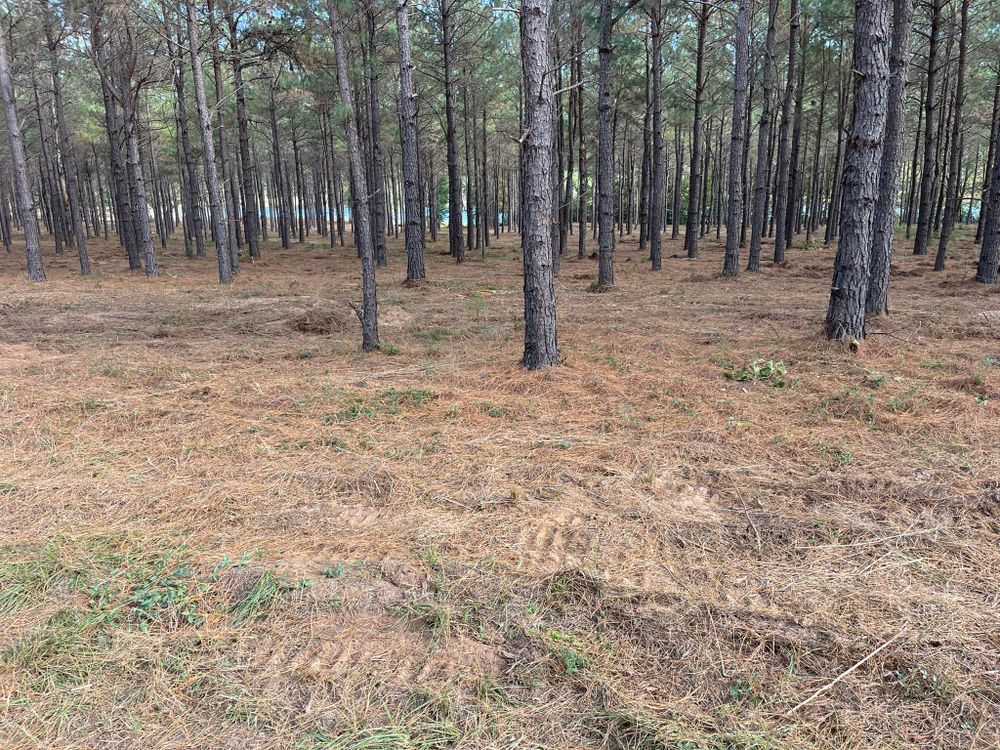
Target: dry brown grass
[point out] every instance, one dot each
(225, 527)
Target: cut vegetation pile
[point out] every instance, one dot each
(709, 529)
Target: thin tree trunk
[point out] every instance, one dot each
(378, 201)
(645, 183)
(760, 180)
(415, 272)
(691, 233)
(953, 207)
(884, 223)
(456, 243)
(208, 142)
(991, 156)
(250, 222)
(658, 152)
(19, 166)
(361, 218)
(605, 157)
(784, 165)
(734, 211)
(930, 136)
(231, 209)
(793, 217)
(581, 210)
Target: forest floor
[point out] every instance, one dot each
(226, 527)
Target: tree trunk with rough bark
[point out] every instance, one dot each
(361, 218)
(415, 272)
(658, 153)
(845, 318)
(784, 163)
(250, 222)
(605, 157)
(456, 243)
(19, 166)
(884, 223)
(694, 190)
(924, 205)
(953, 197)
(760, 180)
(208, 142)
(734, 210)
(540, 346)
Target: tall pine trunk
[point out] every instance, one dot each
(694, 190)
(456, 243)
(953, 197)
(845, 318)
(361, 217)
(408, 137)
(884, 224)
(734, 210)
(925, 206)
(377, 186)
(540, 346)
(208, 143)
(66, 152)
(250, 223)
(658, 153)
(784, 162)
(605, 157)
(760, 179)
(19, 166)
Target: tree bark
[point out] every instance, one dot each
(953, 197)
(361, 217)
(456, 243)
(208, 142)
(734, 210)
(760, 180)
(694, 191)
(581, 210)
(377, 185)
(415, 272)
(65, 145)
(784, 165)
(250, 222)
(930, 136)
(991, 156)
(884, 223)
(989, 251)
(605, 157)
(845, 318)
(658, 153)
(540, 346)
(19, 166)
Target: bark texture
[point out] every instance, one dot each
(19, 166)
(760, 178)
(734, 210)
(605, 157)
(540, 346)
(362, 217)
(845, 318)
(883, 228)
(408, 136)
(208, 142)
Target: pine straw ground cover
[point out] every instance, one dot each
(225, 527)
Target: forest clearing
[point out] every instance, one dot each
(228, 527)
(471, 375)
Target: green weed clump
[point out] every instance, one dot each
(770, 372)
